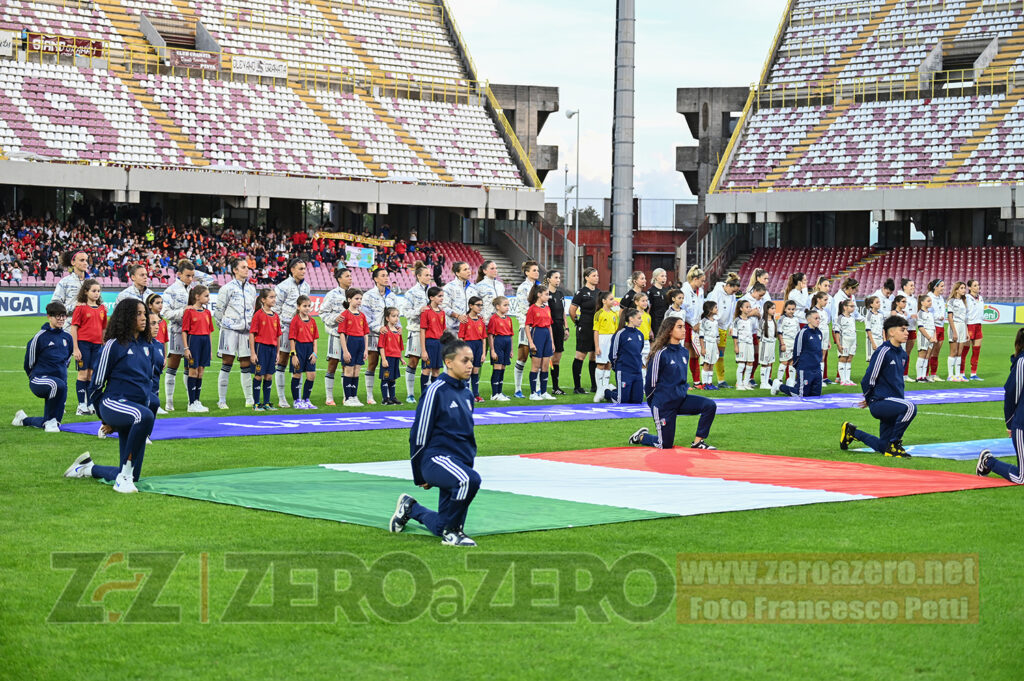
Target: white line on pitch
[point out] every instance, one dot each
(962, 416)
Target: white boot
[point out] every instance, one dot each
(125, 482)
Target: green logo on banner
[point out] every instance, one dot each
(991, 314)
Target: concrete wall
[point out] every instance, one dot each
(129, 182)
(527, 108)
(895, 199)
(706, 113)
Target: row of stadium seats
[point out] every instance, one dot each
(876, 143)
(899, 36)
(780, 263)
(65, 113)
(295, 31)
(996, 268)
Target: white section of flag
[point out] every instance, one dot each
(643, 490)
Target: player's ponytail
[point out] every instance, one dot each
(194, 294)
(794, 279)
(709, 307)
(933, 284)
(451, 345)
(419, 267)
(767, 314)
(628, 314)
(481, 273)
(694, 274)
(850, 283)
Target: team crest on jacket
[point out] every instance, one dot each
(146, 350)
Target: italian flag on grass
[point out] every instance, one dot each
(567, 489)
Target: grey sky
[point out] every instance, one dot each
(570, 44)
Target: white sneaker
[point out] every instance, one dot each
(223, 405)
(548, 396)
(535, 397)
(501, 397)
(938, 379)
(775, 386)
(766, 386)
(192, 408)
(83, 410)
(197, 407)
(99, 433)
(458, 538)
(52, 426)
(283, 404)
(370, 400)
(250, 404)
(124, 484)
(19, 418)
(355, 402)
(160, 411)
(148, 442)
(168, 407)
(81, 468)
(599, 396)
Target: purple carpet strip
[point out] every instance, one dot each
(195, 427)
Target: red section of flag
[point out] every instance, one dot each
(833, 476)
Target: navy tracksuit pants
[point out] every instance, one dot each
(808, 384)
(665, 419)
(133, 424)
(457, 484)
(895, 416)
(55, 392)
(629, 389)
(1014, 474)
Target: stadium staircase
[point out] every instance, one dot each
(865, 33)
(993, 121)
(968, 11)
(860, 264)
(402, 134)
(738, 262)
(798, 152)
(508, 271)
(327, 9)
(127, 25)
(156, 111)
(337, 129)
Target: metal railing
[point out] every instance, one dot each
(550, 246)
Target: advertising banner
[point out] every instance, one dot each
(207, 61)
(345, 236)
(19, 303)
(359, 257)
(254, 66)
(7, 42)
(66, 45)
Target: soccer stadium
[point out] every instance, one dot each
(279, 280)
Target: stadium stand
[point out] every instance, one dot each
(997, 268)
(814, 262)
(883, 93)
(380, 90)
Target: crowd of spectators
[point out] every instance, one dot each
(32, 246)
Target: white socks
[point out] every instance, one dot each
(518, 373)
(222, 386)
(246, 377)
(410, 381)
(791, 380)
(169, 381)
(329, 386)
(279, 378)
(922, 368)
(368, 380)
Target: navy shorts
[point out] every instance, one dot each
(503, 349)
(390, 368)
(266, 359)
(90, 354)
(432, 354)
(542, 341)
(356, 349)
(199, 346)
(304, 353)
(477, 346)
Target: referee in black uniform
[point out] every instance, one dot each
(656, 296)
(581, 312)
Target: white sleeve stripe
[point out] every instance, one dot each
(655, 363)
(880, 359)
(425, 417)
(101, 370)
(32, 349)
(1020, 380)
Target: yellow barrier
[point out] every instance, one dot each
(776, 41)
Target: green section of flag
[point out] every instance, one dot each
(317, 492)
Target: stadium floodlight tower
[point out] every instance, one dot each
(622, 141)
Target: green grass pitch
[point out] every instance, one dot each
(45, 513)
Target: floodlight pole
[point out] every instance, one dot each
(622, 141)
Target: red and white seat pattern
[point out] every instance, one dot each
(780, 263)
(58, 112)
(769, 136)
(997, 268)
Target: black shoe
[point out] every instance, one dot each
(402, 510)
(983, 468)
(703, 444)
(896, 449)
(557, 391)
(846, 435)
(579, 391)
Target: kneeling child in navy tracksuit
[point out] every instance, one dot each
(627, 360)
(666, 391)
(47, 357)
(807, 354)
